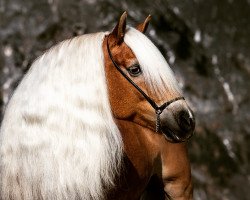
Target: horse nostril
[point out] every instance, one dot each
(186, 121)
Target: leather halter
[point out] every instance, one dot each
(158, 109)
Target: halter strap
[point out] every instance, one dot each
(158, 109)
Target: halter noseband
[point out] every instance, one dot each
(158, 109)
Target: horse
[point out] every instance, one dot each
(98, 116)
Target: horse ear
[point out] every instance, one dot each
(120, 28)
(143, 26)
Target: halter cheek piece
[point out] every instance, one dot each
(158, 109)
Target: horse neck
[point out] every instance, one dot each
(141, 151)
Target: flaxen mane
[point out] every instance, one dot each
(58, 137)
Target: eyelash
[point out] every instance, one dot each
(134, 70)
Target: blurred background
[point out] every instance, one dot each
(207, 44)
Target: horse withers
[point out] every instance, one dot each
(99, 116)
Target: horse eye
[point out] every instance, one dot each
(135, 70)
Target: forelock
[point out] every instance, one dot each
(156, 71)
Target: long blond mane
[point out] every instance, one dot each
(58, 137)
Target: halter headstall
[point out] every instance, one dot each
(158, 109)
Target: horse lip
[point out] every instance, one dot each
(172, 137)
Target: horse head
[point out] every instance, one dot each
(141, 85)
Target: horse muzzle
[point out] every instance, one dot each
(177, 122)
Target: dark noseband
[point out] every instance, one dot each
(158, 109)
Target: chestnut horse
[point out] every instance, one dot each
(99, 116)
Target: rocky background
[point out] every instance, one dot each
(207, 44)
